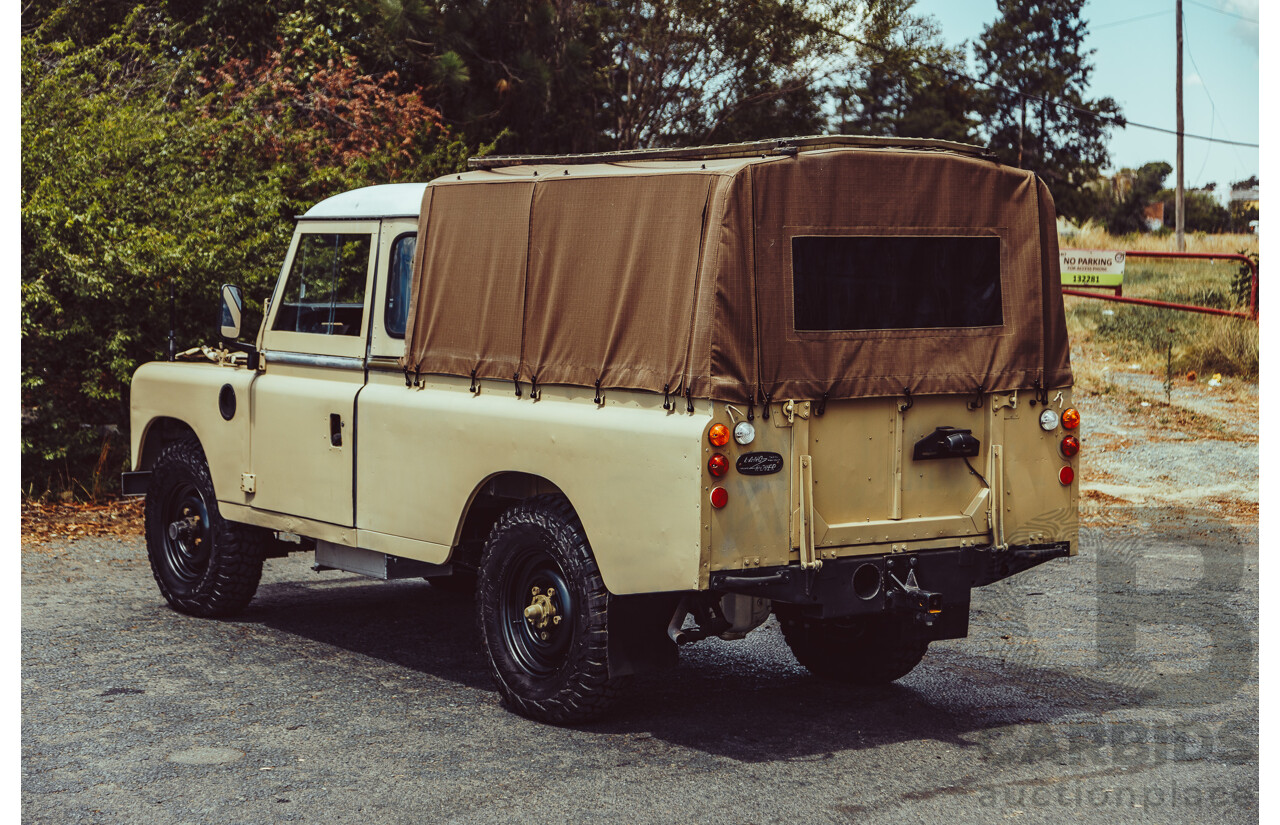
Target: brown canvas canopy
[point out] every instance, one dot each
(681, 274)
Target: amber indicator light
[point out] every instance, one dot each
(719, 435)
(1071, 418)
(718, 465)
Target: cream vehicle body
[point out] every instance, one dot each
(641, 399)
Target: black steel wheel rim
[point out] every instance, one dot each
(188, 539)
(530, 574)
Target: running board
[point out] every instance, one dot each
(330, 556)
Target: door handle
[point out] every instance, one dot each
(335, 429)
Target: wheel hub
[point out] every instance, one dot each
(538, 612)
(541, 611)
(184, 528)
(187, 538)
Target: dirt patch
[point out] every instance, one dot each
(43, 523)
(1105, 498)
(1171, 422)
(1235, 509)
(1108, 442)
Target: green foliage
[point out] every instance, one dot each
(907, 82)
(1035, 50)
(142, 173)
(1127, 212)
(1201, 211)
(577, 76)
(1242, 288)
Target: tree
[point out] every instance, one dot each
(1201, 211)
(1243, 212)
(906, 82)
(1127, 212)
(569, 76)
(1037, 114)
(140, 172)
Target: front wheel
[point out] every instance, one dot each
(543, 614)
(204, 565)
(861, 651)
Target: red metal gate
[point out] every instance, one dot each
(1253, 289)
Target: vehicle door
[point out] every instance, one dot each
(314, 343)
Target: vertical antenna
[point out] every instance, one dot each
(173, 341)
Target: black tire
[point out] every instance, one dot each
(552, 667)
(204, 565)
(861, 651)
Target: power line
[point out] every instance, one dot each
(1204, 84)
(1132, 19)
(1223, 11)
(1120, 122)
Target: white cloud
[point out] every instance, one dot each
(1244, 30)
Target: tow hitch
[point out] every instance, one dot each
(909, 597)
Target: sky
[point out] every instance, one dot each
(1135, 62)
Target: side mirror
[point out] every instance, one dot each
(232, 311)
(229, 318)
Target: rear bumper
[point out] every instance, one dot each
(876, 584)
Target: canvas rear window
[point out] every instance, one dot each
(874, 282)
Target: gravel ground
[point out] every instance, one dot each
(1118, 686)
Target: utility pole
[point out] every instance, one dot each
(1180, 215)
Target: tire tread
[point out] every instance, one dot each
(235, 564)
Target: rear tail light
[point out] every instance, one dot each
(1070, 418)
(720, 497)
(719, 435)
(1066, 475)
(717, 465)
(1070, 445)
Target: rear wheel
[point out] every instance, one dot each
(861, 650)
(204, 565)
(543, 614)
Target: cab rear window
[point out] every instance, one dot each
(872, 282)
(399, 279)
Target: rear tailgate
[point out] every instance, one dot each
(856, 464)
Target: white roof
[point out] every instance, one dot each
(389, 200)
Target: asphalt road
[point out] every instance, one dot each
(1118, 686)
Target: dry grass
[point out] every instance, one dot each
(1126, 333)
(1094, 236)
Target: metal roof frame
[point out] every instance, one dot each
(772, 146)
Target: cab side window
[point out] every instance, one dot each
(399, 281)
(324, 293)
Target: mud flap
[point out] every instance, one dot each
(638, 640)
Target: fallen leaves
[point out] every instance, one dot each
(44, 522)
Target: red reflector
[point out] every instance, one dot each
(1066, 475)
(1070, 446)
(717, 465)
(719, 497)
